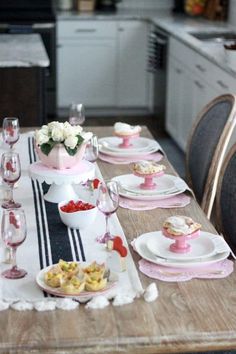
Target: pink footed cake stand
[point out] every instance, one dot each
(148, 179)
(180, 245)
(61, 181)
(126, 139)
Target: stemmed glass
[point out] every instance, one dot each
(91, 152)
(13, 230)
(11, 172)
(107, 203)
(77, 114)
(10, 130)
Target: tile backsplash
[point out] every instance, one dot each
(146, 4)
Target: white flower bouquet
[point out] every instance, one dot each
(72, 137)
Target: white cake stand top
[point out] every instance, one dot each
(62, 181)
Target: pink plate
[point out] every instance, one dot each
(148, 179)
(126, 139)
(180, 245)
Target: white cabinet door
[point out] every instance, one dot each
(87, 72)
(132, 80)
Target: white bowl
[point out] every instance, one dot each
(78, 219)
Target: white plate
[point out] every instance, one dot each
(179, 187)
(201, 247)
(83, 294)
(138, 144)
(131, 183)
(153, 147)
(141, 248)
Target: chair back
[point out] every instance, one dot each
(206, 148)
(226, 199)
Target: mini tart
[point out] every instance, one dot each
(180, 225)
(73, 286)
(54, 277)
(125, 129)
(95, 285)
(147, 167)
(94, 271)
(69, 268)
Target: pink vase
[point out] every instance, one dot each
(59, 158)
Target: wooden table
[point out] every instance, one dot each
(196, 315)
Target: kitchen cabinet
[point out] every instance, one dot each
(193, 81)
(133, 84)
(103, 64)
(86, 63)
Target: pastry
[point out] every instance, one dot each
(126, 129)
(61, 272)
(180, 225)
(147, 167)
(94, 271)
(73, 285)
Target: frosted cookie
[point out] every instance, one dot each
(125, 129)
(180, 225)
(147, 167)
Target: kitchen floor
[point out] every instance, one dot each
(175, 155)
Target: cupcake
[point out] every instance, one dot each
(180, 225)
(124, 129)
(147, 167)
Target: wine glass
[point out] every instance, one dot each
(91, 152)
(77, 114)
(13, 230)
(107, 203)
(10, 130)
(11, 172)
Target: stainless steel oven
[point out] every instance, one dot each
(34, 16)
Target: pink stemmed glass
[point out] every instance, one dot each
(76, 114)
(107, 203)
(13, 230)
(10, 130)
(91, 152)
(11, 172)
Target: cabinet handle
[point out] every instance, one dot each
(201, 68)
(198, 84)
(222, 84)
(85, 30)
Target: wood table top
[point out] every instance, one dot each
(192, 316)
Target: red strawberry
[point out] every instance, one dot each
(95, 183)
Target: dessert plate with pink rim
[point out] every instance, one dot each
(113, 279)
(121, 152)
(138, 144)
(172, 185)
(210, 255)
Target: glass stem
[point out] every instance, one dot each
(13, 257)
(107, 226)
(11, 200)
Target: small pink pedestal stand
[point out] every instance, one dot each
(148, 179)
(61, 180)
(180, 245)
(126, 140)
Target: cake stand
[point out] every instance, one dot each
(180, 245)
(61, 181)
(148, 179)
(126, 139)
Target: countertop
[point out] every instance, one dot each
(178, 26)
(22, 50)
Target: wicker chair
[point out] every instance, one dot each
(226, 199)
(207, 146)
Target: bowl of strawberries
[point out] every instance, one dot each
(77, 214)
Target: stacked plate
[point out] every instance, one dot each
(206, 249)
(139, 146)
(166, 186)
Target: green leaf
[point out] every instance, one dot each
(80, 140)
(47, 147)
(71, 152)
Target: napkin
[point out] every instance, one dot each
(156, 156)
(177, 201)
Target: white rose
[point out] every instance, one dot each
(78, 129)
(86, 136)
(57, 133)
(40, 137)
(68, 130)
(71, 142)
(44, 130)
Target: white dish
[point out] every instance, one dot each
(138, 144)
(153, 147)
(179, 187)
(83, 294)
(140, 245)
(131, 183)
(201, 247)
